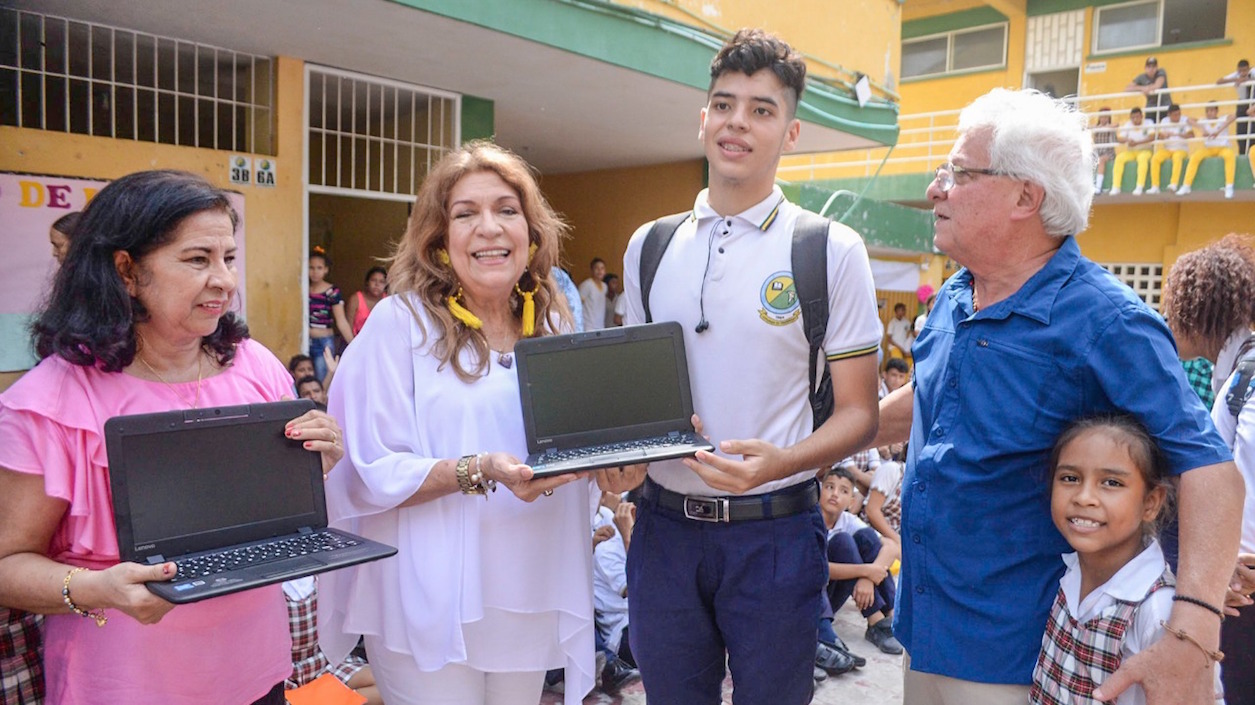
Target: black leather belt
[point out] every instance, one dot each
(781, 503)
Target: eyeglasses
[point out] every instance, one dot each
(946, 173)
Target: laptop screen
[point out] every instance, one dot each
(189, 481)
(204, 478)
(597, 387)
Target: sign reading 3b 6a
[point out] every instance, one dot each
(242, 171)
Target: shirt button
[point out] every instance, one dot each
(919, 589)
(915, 539)
(939, 432)
(953, 382)
(983, 343)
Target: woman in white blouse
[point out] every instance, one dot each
(491, 586)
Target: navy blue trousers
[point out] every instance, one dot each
(860, 548)
(748, 592)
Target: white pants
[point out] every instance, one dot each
(401, 683)
(930, 689)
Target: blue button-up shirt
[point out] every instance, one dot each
(993, 390)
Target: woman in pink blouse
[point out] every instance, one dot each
(138, 321)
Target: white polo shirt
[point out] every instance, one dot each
(748, 370)
(1131, 132)
(1173, 135)
(1210, 125)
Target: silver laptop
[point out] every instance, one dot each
(606, 398)
(227, 496)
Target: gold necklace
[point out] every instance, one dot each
(200, 358)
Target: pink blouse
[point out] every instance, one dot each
(229, 650)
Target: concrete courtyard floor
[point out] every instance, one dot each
(877, 683)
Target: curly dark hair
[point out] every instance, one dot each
(89, 318)
(1210, 292)
(750, 51)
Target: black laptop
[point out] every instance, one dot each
(605, 398)
(227, 496)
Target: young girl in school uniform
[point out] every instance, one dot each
(1108, 489)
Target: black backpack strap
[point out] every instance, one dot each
(810, 280)
(1243, 387)
(652, 249)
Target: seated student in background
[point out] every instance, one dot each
(1174, 130)
(1215, 131)
(895, 374)
(1136, 135)
(610, 598)
(883, 508)
(310, 388)
(858, 561)
(862, 467)
(1108, 488)
(308, 661)
(300, 366)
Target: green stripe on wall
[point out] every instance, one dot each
(1047, 7)
(478, 118)
(652, 45)
(937, 24)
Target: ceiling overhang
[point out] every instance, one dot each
(577, 85)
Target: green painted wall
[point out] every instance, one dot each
(478, 118)
(880, 223)
(937, 24)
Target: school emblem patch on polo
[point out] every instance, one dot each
(779, 299)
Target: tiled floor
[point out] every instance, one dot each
(877, 683)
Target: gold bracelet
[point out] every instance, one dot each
(465, 484)
(98, 614)
(1181, 634)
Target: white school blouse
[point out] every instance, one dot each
(521, 570)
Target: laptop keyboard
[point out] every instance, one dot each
(671, 439)
(279, 549)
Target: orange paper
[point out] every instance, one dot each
(324, 690)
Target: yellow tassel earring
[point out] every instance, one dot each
(442, 256)
(459, 311)
(529, 309)
(531, 251)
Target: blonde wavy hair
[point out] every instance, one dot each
(416, 269)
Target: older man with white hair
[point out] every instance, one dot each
(1027, 337)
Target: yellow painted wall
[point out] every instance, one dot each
(859, 35)
(272, 215)
(605, 207)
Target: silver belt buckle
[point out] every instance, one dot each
(706, 509)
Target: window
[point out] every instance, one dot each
(961, 50)
(1144, 278)
(371, 134)
(69, 76)
(1153, 23)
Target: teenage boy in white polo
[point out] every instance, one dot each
(748, 589)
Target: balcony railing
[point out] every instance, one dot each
(925, 139)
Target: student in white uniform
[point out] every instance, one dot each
(1215, 131)
(1174, 130)
(746, 591)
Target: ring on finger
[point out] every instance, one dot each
(548, 493)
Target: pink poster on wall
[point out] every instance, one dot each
(29, 205)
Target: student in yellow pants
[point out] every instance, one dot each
(1215, 144)
(1136, 136)
(1173, 133)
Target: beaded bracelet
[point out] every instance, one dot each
(1205, 605)
(98, 615)
(481, 479)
